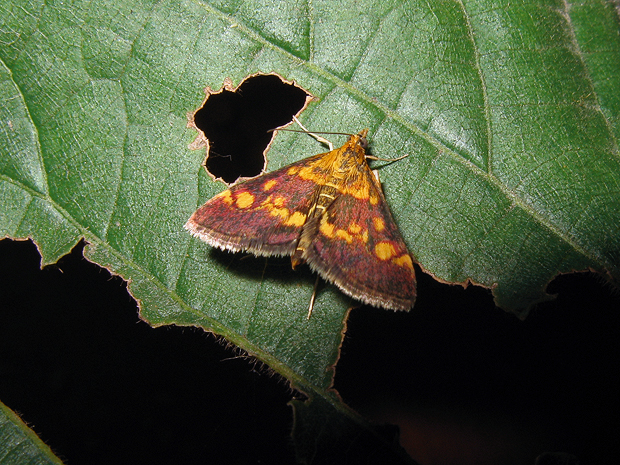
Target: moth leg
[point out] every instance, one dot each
(313, 297)
(322, 140)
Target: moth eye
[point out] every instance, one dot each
(363, 142)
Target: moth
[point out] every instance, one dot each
(328, 211)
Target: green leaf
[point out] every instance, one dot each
(18, 444)
(509, 114)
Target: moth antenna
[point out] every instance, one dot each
(322, 140)
(372, 157)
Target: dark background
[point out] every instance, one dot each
(466, 382)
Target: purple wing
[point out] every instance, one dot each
(263, 216)
(358, 246)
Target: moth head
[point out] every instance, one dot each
(362, 138)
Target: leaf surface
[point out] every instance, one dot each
(18, 444)
(509, 114)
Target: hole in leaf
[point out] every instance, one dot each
(233, 123)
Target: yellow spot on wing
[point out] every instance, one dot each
(296, 219)
(308, 173)
(379, 223)
(364, 236)
(245, 199)
(355, 228)
(275, 208)
(281, 212)
(404, 261)
(327, 229)
(384, 250)
(269, 184)
(342, 234)
(225, 197)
